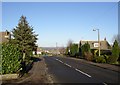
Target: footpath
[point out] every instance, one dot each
(102, 65)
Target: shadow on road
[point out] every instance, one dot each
(30, 65)
(35, 59)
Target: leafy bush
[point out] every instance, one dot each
(86, 52)
(11, 58)
(111, 60)
(73, 49)
(100, 59)
(94, 51)
(88, 56)
(85, 48)
(106, 57)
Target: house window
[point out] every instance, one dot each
(96, 45)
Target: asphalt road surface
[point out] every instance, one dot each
(68, 70)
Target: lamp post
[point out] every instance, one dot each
(56, 48)
(98, 39)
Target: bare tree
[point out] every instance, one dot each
(62, 50)
(69, 43)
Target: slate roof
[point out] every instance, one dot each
(104, 45)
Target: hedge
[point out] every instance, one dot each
(11, 58)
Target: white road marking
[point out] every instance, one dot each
(83, 72)
(104, 83)
(75, 68)
(67, 65)
(58, 60)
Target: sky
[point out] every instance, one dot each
(59, 22)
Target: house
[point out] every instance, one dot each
(104, 45)
(4, 36)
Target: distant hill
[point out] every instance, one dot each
(50, 48)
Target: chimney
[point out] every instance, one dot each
(105, 39)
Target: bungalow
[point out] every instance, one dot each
(104, 45)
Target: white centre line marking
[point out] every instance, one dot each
(58, 60)
(83, 72)
(104, 83)
(75, 69)
(67, 65)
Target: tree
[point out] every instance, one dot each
(115, 53)
(68, 47)
(116, 37)
(73, 49)
(85, 48)
(115, 50)
(69, 43)
(62, 50)
(24, 37)
(86, 52)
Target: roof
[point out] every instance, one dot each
(104, 45)
(4, 36)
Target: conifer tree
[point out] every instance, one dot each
(115, 50)
(115, 53)
(24, 37)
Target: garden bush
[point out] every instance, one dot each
(88, 56)
(86, 52)
(74, 50)
(11, 58)
(111, 60)
(100, 59)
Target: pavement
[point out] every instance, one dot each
(102, 65)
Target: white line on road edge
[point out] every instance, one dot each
(104, 83)
(67, 65)
(83, 72)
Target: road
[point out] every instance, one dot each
(68, 70)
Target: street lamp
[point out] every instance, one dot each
(98, 39)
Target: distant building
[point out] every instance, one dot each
(39, 50)
(5, 36)
(104, 45)
(55, 51)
